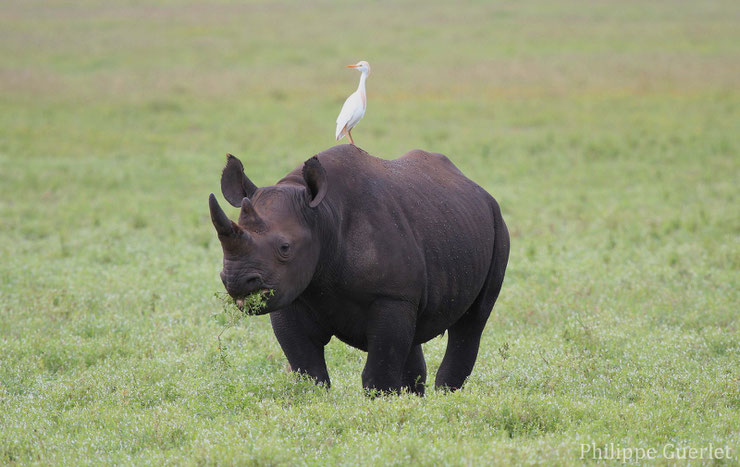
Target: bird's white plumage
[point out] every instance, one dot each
(352, 111)
(354, 107)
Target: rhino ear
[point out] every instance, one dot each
(316, 180)
(234, 183)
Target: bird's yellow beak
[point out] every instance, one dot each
(352, 66)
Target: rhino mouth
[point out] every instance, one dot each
(254, 303)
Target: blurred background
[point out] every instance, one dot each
(134, 104)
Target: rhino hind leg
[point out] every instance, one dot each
(463, 337)
(415, 371)
(463, 340)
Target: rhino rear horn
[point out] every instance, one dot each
(224, 226)
(234, 183)
(249, 217)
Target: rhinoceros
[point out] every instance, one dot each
(383, 254)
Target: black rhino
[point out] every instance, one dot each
(382, 254)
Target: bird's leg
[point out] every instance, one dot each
(349, 135)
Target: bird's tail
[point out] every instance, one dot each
(340, 131)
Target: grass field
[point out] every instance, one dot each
(609, 132)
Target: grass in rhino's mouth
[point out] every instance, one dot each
(255, 302)
(252, 304)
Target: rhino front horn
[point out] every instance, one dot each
(220, 220)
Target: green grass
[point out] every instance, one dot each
(608, 132)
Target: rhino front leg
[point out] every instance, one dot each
(415, 371)
(302, 340)
(390, 331)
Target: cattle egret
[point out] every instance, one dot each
(354, 107)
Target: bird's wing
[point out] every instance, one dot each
(353, 102)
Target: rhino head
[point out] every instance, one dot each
(275, 243)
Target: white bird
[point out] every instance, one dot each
(354, 107)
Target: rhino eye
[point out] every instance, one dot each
(284, 249)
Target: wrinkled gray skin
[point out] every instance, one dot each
(384, 255)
